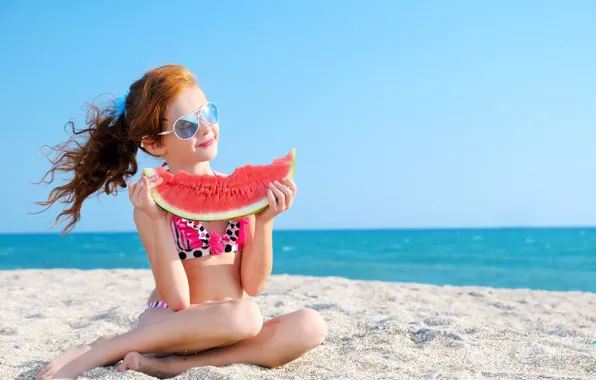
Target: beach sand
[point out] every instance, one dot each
(376, 330)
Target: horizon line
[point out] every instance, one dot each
(308, 229)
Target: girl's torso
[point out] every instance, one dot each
(210, 253)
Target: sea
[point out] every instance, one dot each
(562, 259)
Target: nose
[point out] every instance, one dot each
(204, 128)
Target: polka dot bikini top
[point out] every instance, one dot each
(193, 241)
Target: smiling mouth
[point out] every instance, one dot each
(206, 143)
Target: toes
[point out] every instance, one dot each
(130, 362)
(42, 372)
(123, 367)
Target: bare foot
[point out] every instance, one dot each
(149, 365)
(70, 364)
(53, 369)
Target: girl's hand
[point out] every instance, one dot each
(139, 196)
(280, 197)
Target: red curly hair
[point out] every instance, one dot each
(102, 157)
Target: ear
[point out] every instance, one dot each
(153, 147)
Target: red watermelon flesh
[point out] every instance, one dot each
(206, 197)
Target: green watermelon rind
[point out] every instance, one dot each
(228, 215)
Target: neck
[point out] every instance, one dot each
(196, 168)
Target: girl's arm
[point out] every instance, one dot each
(257, 255)
(170, 277)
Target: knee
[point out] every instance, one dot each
(245, 319)
(310, 327)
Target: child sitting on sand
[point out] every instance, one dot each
(201, 311)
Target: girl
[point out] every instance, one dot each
(201, 311)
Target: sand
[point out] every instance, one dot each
(377, 330)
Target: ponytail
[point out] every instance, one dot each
(101, 157)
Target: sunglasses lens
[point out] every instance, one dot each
(186, 127)
(210, 113)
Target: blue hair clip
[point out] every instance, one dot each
(120, 108)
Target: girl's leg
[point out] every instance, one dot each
(195, 329)
(281, 340)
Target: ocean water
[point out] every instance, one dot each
(549, 259)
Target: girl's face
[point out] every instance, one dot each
(191, 106)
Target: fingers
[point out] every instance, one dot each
(283, 193)
(272, 201)
(291, 184)
(131, 190)
(143, 195)
(154, 181)
(281, 197)
(135, 193)
(288, 193)
(138, 191)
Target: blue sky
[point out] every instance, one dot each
(403, 114)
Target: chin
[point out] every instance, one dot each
(207, 154)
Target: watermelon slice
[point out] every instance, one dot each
(206, 198)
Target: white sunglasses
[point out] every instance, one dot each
(186, 126)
